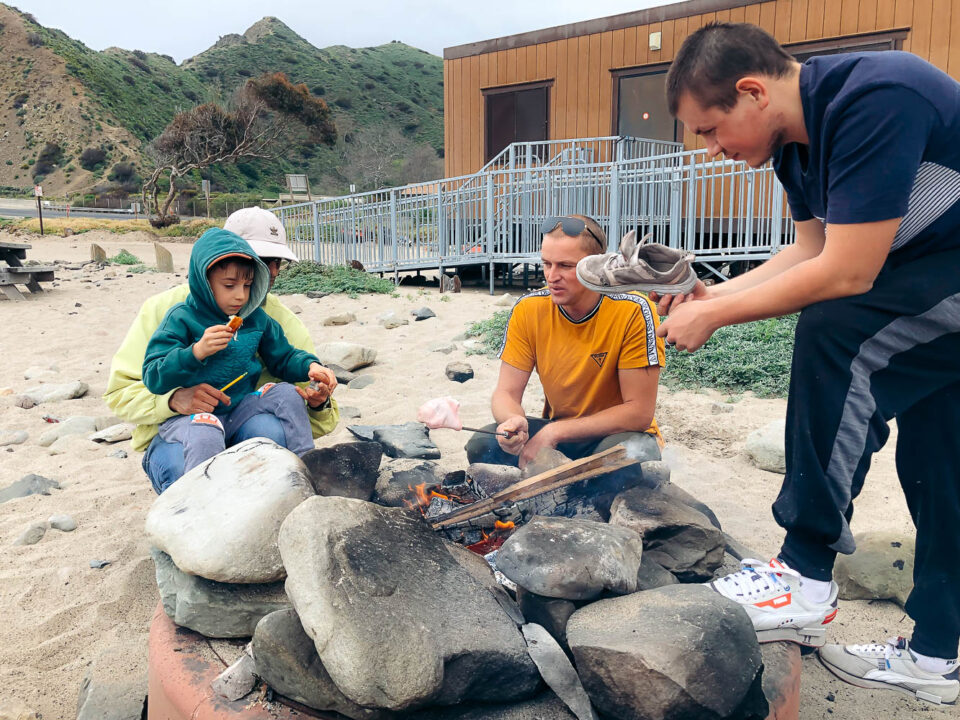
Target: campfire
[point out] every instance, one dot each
(466, 514)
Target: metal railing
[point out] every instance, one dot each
(721, 210)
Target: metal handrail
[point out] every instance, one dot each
(719, 209)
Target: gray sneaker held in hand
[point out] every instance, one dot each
(643, 266)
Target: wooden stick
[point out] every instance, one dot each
(571, 472)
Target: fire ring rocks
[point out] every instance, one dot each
(679, 651)
(396, 621)
(220, 520)
(572, 559)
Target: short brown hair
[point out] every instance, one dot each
(248, 268)
(712, 60)
(588, 241)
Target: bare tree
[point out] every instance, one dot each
(257, 117)
(373, 158)
(421, 164)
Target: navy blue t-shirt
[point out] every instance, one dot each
(884, 131)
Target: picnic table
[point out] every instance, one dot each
(13, 272)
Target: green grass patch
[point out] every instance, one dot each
(124, 257)
(490, 332)
(140, 269)
(305, 276)
(755, 356)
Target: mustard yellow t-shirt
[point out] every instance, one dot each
(577, 361)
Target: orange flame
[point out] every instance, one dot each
(503, 525)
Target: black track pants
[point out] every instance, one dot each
(858, 362)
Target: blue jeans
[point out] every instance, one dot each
(163, 461)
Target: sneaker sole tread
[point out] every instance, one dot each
(860, 682)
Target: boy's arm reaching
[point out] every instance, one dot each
(169, 362)
(281, 358)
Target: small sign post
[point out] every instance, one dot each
(38, 193)
(206, 192)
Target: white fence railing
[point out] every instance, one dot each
(721, 210)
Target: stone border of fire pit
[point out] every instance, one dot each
(182, 665)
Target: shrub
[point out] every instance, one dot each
(191, 95)
(20, 100)
(122, 172)
(490, 332)
(243, 72)
(128, 79)
(92, 158)
(124, 258)
(34, 39)
(211, 72)
(140, 64)
(343, 102)
(140, 54)
(755, 356)
(318, 90)
(368, 86)
(305, 276)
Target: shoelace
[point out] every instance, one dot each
(755, 578)
(893, 647)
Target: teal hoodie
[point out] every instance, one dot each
(169, 362)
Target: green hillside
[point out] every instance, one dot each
(393, 86)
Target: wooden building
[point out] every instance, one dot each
(606, 76)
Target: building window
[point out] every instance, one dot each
(516, 114)
(640, 105)
(865, 42)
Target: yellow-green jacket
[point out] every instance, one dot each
(129, 398)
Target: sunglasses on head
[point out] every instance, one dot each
(571, 226)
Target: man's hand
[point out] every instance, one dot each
(666, 303)
(544, 438)
(197, 399)
(689, 326)
(215, 339)
(519, 431)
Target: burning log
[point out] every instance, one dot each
(571, 472)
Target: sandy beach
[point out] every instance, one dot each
(60, 615)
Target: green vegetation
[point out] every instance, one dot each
(139, 269)
(305, 276)
(755, 356)
(490, 332)
(402, 90)
(124, 258)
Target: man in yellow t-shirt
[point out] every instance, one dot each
(598, 358)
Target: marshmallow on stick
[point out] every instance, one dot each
(440, 413)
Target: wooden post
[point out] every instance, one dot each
(40, 213)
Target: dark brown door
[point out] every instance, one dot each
(515, 116)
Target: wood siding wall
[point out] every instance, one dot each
(581, 97)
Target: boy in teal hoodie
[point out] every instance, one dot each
(194, 345)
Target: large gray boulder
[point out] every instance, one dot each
(347, 469)
(881, 568)
(571, 559)
(675, 535)
(765, 447)
(286, 659)
(397, 622)
(221, 519)
(674, 652)
(214, 609)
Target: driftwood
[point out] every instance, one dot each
(543, 484)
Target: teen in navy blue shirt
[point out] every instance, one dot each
(866, 146)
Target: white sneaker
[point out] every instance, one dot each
(770, 593)
(890, 667)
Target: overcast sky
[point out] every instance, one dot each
(183, 28)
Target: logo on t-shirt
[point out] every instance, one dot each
(598, 358)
